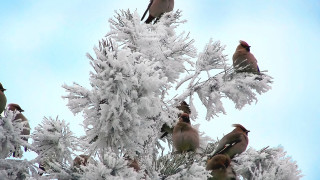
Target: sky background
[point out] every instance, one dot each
(43, 45)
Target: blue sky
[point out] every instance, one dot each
(43, 45)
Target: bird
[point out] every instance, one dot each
(26, 126)
(3, 99)
(223, 174)
(185, 138)
(82, 160)
(133, 163)
(42, 166)
(235, 142)
(218, 161)
(157, 8)
(184, 106)
(220, 167)
(243, 59)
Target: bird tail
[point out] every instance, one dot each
(163, 135)
(144, 14)
(149, 20)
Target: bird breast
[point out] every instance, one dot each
(3, 101)
(239, 55)
(171, 5)
(245, 60)
(26, 126)
(185, 138)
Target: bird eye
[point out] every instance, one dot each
(245, 46)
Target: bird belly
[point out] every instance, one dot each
(159, 7)
(186, 141)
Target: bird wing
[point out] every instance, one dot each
(228, 141)
(144, 14)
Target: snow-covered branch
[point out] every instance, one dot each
(268, 163)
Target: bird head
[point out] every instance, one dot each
(184, 107)
(245, 45)
(239, 126)
(1, 88)
(13, 107)
(184, 118)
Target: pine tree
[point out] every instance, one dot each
(136, 68)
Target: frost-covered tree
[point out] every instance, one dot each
(138, 70)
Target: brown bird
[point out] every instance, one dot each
(243, 59)
(42, 167)
(220, 166)
(223, 174)
(133, 164)
(185, 138)
(157, 8)
(218, 161)
(3, 99)
(234, 143)
(81, 160)
(26, 126)
(184, 107)
(167, 129)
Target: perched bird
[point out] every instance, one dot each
(133, 163)
(223, 174)
(81, 160)
(42, 167)
(234, 143)
(243, 59)
(185, 137)
(26, 126)
(157, 8)
(183, 107)
(218, 161)
(220, 166)
(3, 99)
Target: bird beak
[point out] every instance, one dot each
(22, 110)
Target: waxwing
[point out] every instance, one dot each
(157, 8)
(42, 167)
(26, 126)
(233, 143)
(3, 99)
(81, 160)
(133, 163)
(218, 161)
(243, 59)
(223, 174)
(184, 106)
(185, 138)
(220, 166)
(167, 129)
